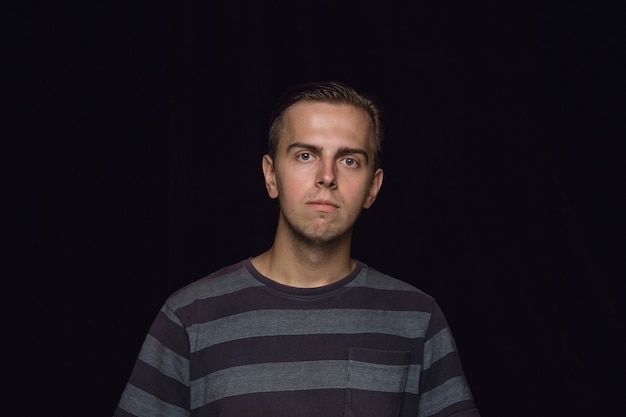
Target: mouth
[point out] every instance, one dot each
(323, 205)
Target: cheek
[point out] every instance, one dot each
(295, 178)
(354, 195)
(289, 188)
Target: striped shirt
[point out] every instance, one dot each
(237, 344)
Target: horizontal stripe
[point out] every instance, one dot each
(168, 330)
(238, 287)
(225, 281)
(295, 348)
(298, 376)
(165, 360)
(376, 299)
(360, 403)
(464, 408)
(150, 380)
(437, 322)
(440, 371)
(267, 378)
(171, 315)
(140, 403)
(452, 391)
(371, 278)
(237, 343)
(410, 324)
(263, 298)
(311, 403)
(437, 347)
(376, 377)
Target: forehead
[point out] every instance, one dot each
(320, 120)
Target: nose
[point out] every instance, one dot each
(326, 174)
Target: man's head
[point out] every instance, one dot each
(331, 92)
(323, 162)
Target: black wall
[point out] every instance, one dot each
(133, 138)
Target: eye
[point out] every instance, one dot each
(304, 156)
(350, 162)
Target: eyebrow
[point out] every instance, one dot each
(341, 151)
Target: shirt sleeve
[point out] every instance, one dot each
(444, 391)
(159, 382)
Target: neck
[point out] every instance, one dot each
(294, 262)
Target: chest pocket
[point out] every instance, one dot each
(376, 381)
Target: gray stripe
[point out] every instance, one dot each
(171, 315)
(452, 391)
(377, 377)
(410, 324)
(168, 362)
(413, 379)
(268, 377)
(213, 287)
(437, 347)
(372, 279)
(297, 376)
(140, 403)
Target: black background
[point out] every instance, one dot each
(134, 134)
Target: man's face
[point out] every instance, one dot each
(322, 174)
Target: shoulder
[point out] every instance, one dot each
(374, 280)
(224, 281)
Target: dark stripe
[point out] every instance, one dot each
(294, 348)
(377, 299)
(372, 278)
(373, 403)
(165, 360)
(437, 322)
(316, 403)
(140, 403)
(261, 298)
(460, 409)
(313, 403)
(410, 404)
(150, 380)
(447, 367)
(170, 333)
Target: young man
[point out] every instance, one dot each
(304, 330)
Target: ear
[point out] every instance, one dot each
(374, 188)
(270, 176)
